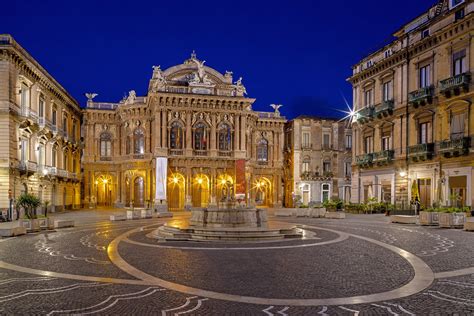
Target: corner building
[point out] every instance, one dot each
(39, 132)
(414, 119)
(200, 122)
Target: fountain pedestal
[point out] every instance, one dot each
(234, 224)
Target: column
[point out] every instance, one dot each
(164, 125)
(213, 147)
(189, 134)
(243, 131)
(158, 129)
(188, 188)
(212, 188)
(237, 134)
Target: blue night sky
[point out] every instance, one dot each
(297, 53)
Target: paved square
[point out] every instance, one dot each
(362, 265)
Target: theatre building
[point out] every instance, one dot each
(197, 127)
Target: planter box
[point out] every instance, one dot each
(403, 219)
(469, 224)
(46, 223)
(429, 218)
(303, 212)
(146, 213)
(118, 217)
(133, 214)
(284, 212)
(452, 220)
(11, 229)
(335, 215)
(31, 225)
(318, 212)
(63, 223)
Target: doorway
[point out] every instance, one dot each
(424, 186)
(139, 192)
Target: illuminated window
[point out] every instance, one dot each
(139, 141)
(262, 150)
(105, 145)
(176, 136)
(225, 137)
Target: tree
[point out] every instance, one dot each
(29, 203)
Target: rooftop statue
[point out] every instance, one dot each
(240, 88)
(131, 97)
(276, 107)
(158, 79)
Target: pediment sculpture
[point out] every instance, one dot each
(239, 88)
(132, 95)
(158, 80)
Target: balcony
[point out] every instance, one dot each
(455, 147)
(306, 146)
(202, 153)
(62, 173)
(455, 85)
(365, 115)
(44, 123)
(314, 176)
(364, 161)
(138, 156)
(105, 158)
(385, 109)
(421, 97)
(421, 152)
(326, 147)
(224, 153)
(383, 157)
(262, 162)
(176, 152)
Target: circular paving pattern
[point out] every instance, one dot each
(342, 267)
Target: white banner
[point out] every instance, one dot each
(161, 178)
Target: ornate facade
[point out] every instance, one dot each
(39, 132)
(414, 119)
(318, 160)
(216, 147)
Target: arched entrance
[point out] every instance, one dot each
(138, 192)
(263, 192)
(176, 191)
(225, 189)
(200, 191)
(104, 190)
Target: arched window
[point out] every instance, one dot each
(65, 160)
(225, 137)
(200, 136)
(262, 150)
(105, 145)
(54, 156)
(176, 136)
(138, 141)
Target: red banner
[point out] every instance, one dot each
(240, 176)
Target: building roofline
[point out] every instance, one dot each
(8, 40)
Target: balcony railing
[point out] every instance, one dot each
(62, 173)
(421, 96)
(138, 156)
(383, 157)
(421, 152)
(364, 160)
(306, 146)
(309, 175)
(200, 152)
(455, 147)
(456, 84)
(262, 162)
(176, 152)
(326, 147)
(365, 115)
(43, 122)
(385, 109)
(224, 153)
(105, 158)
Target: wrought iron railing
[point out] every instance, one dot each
(421, 94)
(459, 81)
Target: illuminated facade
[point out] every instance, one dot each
(318, 160)
(414, 120)
(39, 132)
(216, 147)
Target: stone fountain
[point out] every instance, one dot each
(238, 224)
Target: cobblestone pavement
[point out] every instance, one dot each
(75, 271)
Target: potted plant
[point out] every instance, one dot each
(29, 203)
(334, 208)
